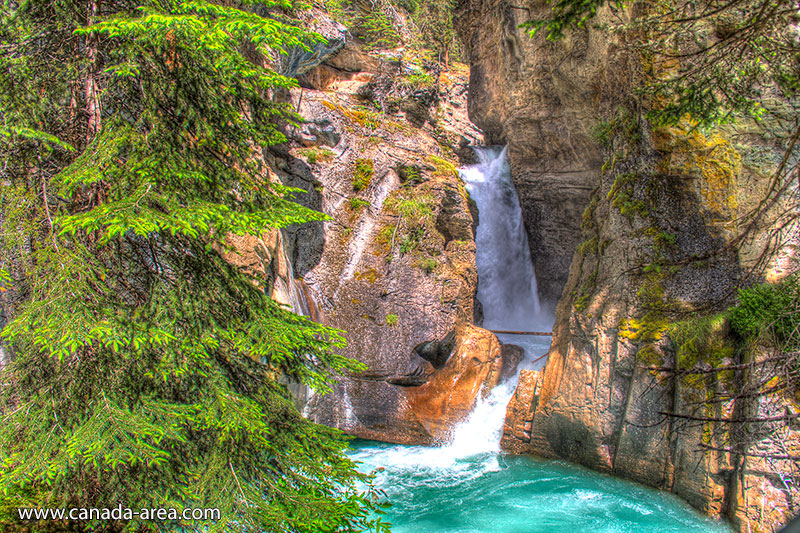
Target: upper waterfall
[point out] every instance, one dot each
(506, 279)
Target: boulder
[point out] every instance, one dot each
(423, 404)
(472, 371)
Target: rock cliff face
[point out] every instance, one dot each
(641, 234)
(541, 99)
(394, 266)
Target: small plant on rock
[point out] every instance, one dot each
(362, 175)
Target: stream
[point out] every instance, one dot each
(469, 485)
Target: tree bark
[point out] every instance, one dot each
(92, 91)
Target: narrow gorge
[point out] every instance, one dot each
(624, 233)
(455, 265)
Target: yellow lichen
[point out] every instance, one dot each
(648, 329)
(712, 157)
(444, 168)
(371, 275)
(719, 163)
(363, 117)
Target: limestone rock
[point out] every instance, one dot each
(520, 412)
(542, 99)
(394, 266)
(472, 371)
(512, 357)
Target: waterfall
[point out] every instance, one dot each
(506, 280)
(467, 485)
(506, 290)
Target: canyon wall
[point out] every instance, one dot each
(640, 228)
(394, 265)
(541, 99)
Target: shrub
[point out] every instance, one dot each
(769, 308)
(362, 176)
(428, 264)
(444, 168)
(314, 155)
(411, 240)
(411, 207)
(410, 174)
(357, 203)
(418, 80)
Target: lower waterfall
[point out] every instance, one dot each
(468, 485)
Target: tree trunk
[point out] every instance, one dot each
(92, 91)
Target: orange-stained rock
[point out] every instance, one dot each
(423, 403)
(473, 370)
(519, 413)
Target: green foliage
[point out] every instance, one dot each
(586, 291)
(377, 30)
(443, 168)
(385, 235)
(703, 342)
(622, 196)
(434, 19)
(316, 155)
(587, 219)
(620, 133)
(9, 519)
(418, 80)
(565, 15)
(603, 133)
(428, 264)
(146, 365)
(703, 339)
(416, 212)
(360, 115)
(391, 319)
(411, 239)
(704, 59)
(5, 280)
(769, 310)
(415, 207)
(368, 21)
(362, 175)
(357, 203)
(664, 238)
(589, 246)
(410, 174)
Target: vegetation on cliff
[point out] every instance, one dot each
(145, 367)
(715, 98)
(375, 23)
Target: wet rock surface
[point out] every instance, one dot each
(423, 404)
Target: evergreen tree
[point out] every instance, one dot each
(713, 60)
(368, 20)
(145, 367)
(435, 21)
